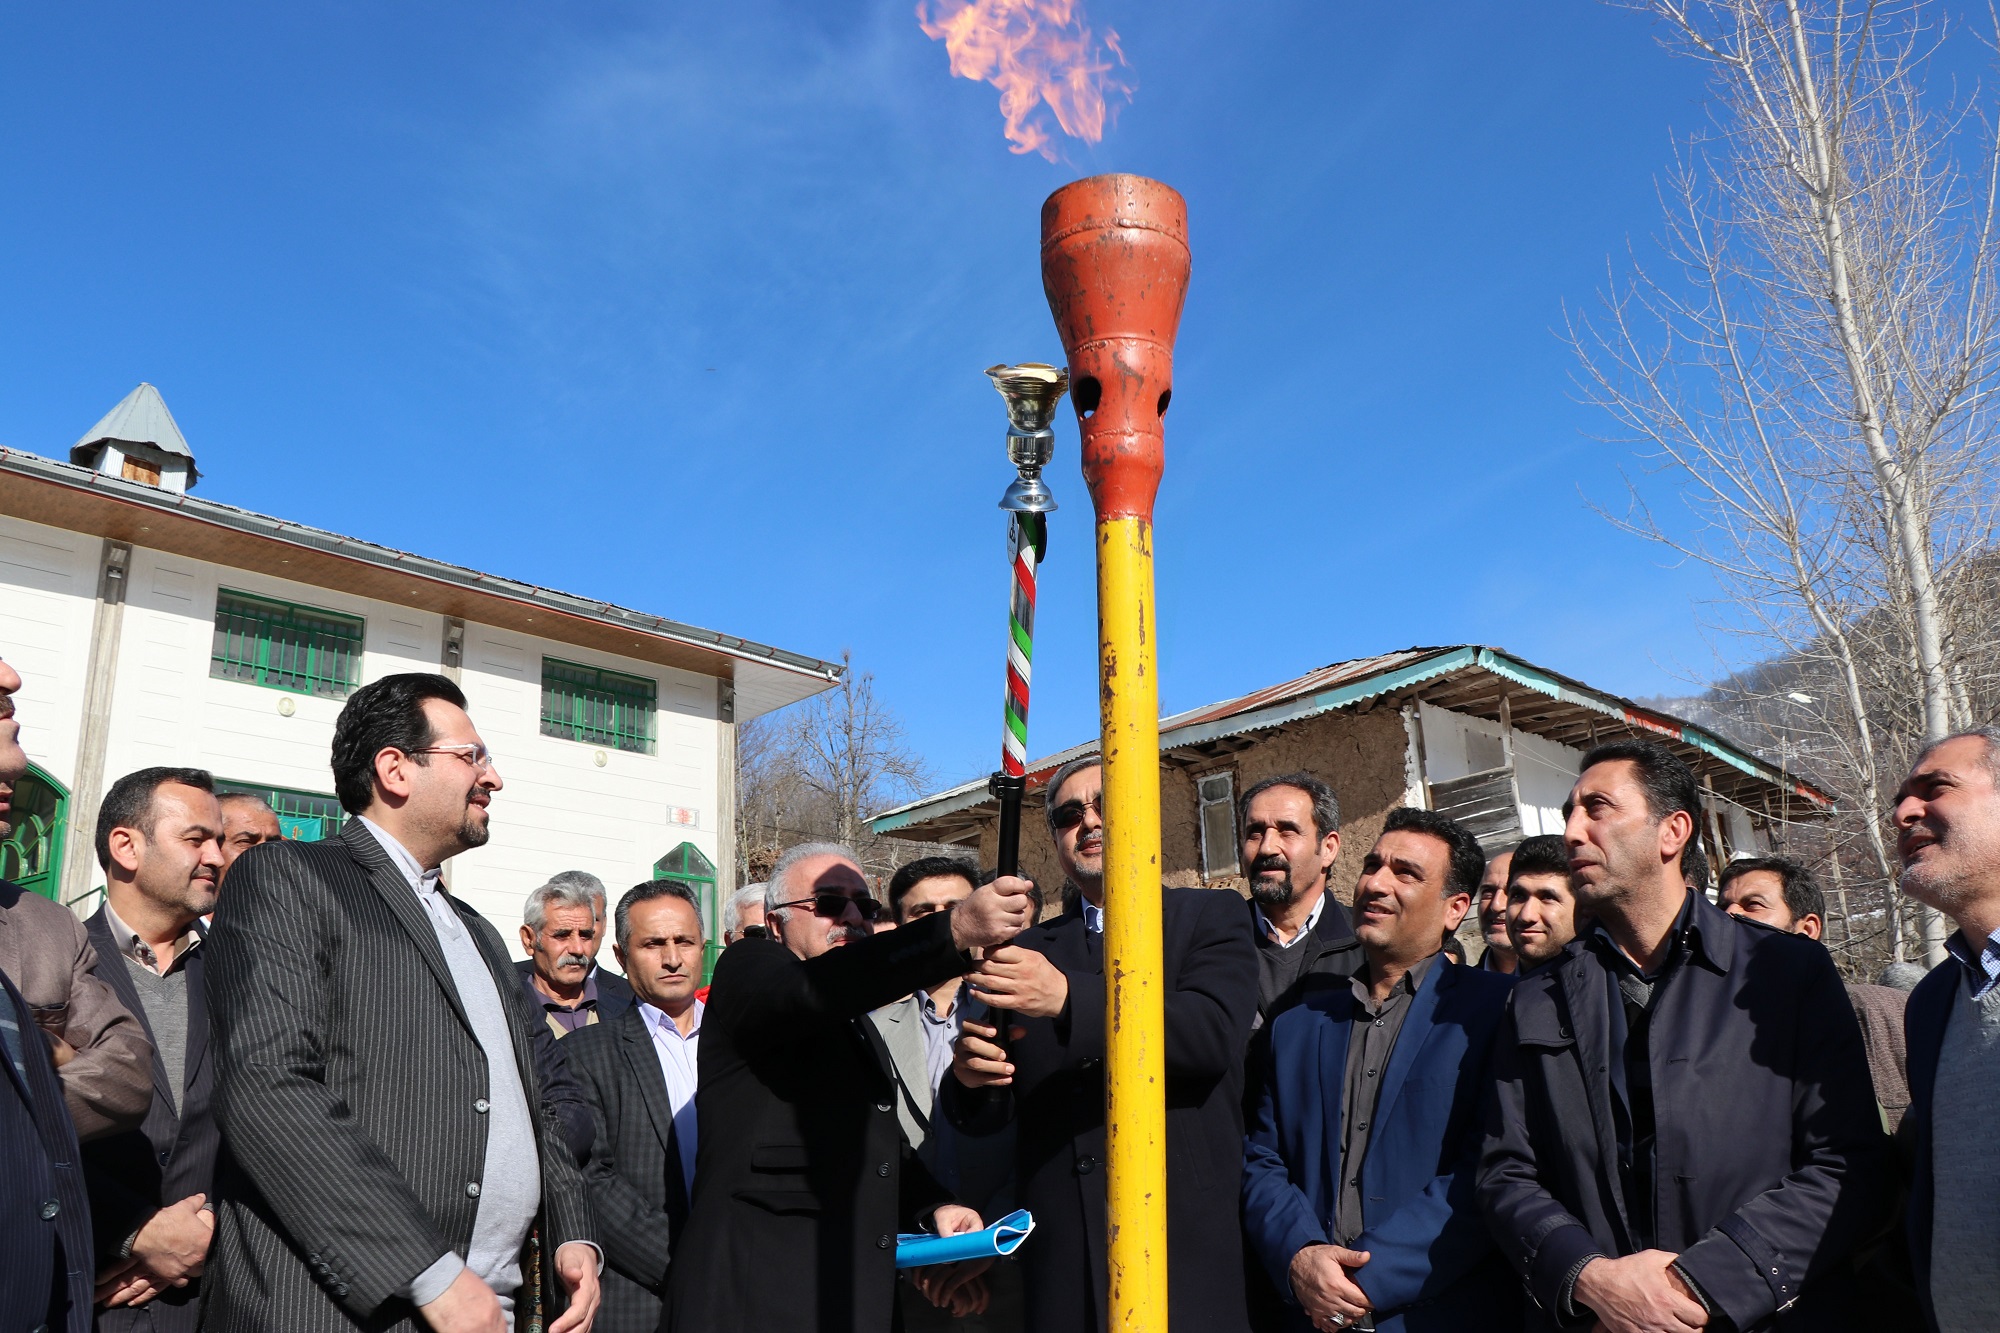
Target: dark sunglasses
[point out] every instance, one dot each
(1070, 813)
(752, 933)
(831, 905)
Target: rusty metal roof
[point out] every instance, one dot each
(1468, 678)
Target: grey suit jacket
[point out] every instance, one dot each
(902, 1027)
(350, 1091)
(44, 949)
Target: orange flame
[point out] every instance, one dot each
(1035, 52)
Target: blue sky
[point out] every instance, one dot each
(686, 307)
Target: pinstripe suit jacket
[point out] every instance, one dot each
(350, 1091)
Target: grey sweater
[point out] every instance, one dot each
(1965, 1126)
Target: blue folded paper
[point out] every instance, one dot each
(1002, 1238)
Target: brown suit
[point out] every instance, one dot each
(108, 1086)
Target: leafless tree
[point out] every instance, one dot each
(818, 770)
(1810, 359)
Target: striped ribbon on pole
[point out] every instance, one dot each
(1025, 543)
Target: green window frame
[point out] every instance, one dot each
(32, 855)
(598, 707)
(283, 646)
(305, 816)
(689, 866)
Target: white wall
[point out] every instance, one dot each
(1458, 744)
(558, 809)
(48, 594)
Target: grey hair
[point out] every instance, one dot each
(572, 888)
(225, 797)
(1991, 735)
(732, 911)
(647, 892)
(775, 890)
(1064, 774)
(1325, 805)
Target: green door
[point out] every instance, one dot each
(686, 864)
(32, 854)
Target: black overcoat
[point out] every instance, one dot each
(637, 1194)
(350, 1089)
(1771, 1167)
(1056, 1104)
(802, 1180)
(170, 1157)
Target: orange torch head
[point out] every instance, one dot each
(1115, 267)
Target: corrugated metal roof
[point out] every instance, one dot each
(141, 417)
(1418, 671)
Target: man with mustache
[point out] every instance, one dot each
(1681, 1133)
(639, 1072)
(561, 928)
(1358, 1170)
(159, 840)
(99, 1047)
(802, 1181)
(1541, 906)
(1499, 956)
(247, 821)
(1047, 1081)
(388, 1144)
(1291, 838)
(1948, 837)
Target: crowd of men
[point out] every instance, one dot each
(281, 1085)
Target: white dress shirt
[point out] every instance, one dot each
(1271, 931)
(678, 1065)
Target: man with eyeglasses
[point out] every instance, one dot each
(802, 1180)
(389, 1140)
(1047, 1082)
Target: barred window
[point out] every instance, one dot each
(286, 647)
(304, 816)
(597, 707)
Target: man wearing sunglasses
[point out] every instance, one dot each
(802, 1180)
(1047, 1081)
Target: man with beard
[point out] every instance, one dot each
(100, 1048)
(387, 1145)
(562, 926)
(1291, 838)
(802, 1180)
(159, 842)
(1541, 906)
(1948, 837)
(1499, 956)
(1681, 1132)
(1048, 1082)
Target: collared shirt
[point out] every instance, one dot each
(141, 952)
(1270, 932)
(1093, 917)
(679, 1066)
(940, 1031)
(1982, 973)
(1369, 1045)
(564, 1019)
(510, 1189)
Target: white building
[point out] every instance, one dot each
(151, 627)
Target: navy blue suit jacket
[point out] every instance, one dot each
(1433, 1264)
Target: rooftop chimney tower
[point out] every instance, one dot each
(138, 440)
